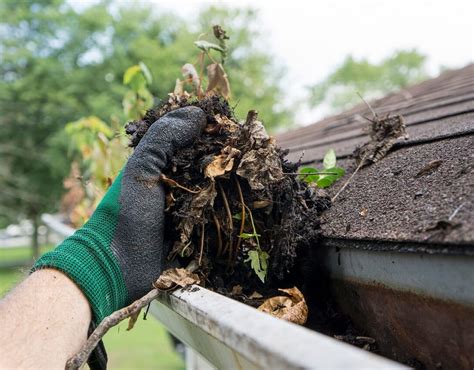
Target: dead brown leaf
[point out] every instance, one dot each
(176, 277)
(261, 203)
(222, 163)
(178, 87)
(205, 198)
(218, 81)
(191, 75)
(236, 290)
(383, 132)
(226, 122)
(261, 167)
(255, 295)
(429, 168)
(291, 308)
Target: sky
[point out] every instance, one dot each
(312, 37)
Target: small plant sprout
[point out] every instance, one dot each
(326, 177)
(257, 257)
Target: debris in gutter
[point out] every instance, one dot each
(383, 132)
(291, 307)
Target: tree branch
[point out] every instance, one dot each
(79, 359)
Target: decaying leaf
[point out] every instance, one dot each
(222, 163)
(256, 133)
(227, 123)
(205, 198)
(292, 308)
(191, 75)
(133, 319)
(261, 167)
(255, 295)
(176, 277)
(383, 132)
(218, 81)
(236, 290)
(178, 87)
(261, 203)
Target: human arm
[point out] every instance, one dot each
(115, 257)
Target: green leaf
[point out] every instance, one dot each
(258, 262)
(311, 177)
(264, 256)
(325, 182)
(237, 216)
(130, 73)
(206, 46)
(248, 236)
(329, 159)
(137, 82)
(146, 72)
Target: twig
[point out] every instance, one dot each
(253, 227)
(202, 244)
(455, 212)
(242, 222)
(78, 360)
(174, 184)
(219, 236)
(309, 173)
(349, 179)
(368, 105)
(227, 208)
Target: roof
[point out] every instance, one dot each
(422, 191)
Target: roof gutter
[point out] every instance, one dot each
(231, 335)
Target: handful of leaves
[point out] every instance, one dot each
(236, 209)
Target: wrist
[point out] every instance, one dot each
(87, 259)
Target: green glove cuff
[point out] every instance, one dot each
(86, 258)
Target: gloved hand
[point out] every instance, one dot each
(117, 255)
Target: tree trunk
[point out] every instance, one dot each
(34, 238)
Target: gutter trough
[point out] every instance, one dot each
(231, 335)
(417, 305)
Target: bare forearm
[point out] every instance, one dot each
(43, 322)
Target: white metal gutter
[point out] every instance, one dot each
(231, 335)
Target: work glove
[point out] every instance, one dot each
(117, 255)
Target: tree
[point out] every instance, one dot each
(340, 88)
(58, 65)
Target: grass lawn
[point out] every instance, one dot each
(147, 346)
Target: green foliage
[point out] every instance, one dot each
(58, 64)
(326, 177)
(258, 262)
(207, 46)
(340, 88)
(138, 99)
(257, 257)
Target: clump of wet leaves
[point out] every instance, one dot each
(230, 204)
(234, 207)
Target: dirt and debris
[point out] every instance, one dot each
(383, 133)
(234, 204)
(291, 307)
(429, 168)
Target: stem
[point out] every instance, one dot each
(219, 236)
(78, 360)
(349, 179)
(174, 184)
(227, 208)
(254, 228)
(242, 221)
(202, 244)
(309, 173)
